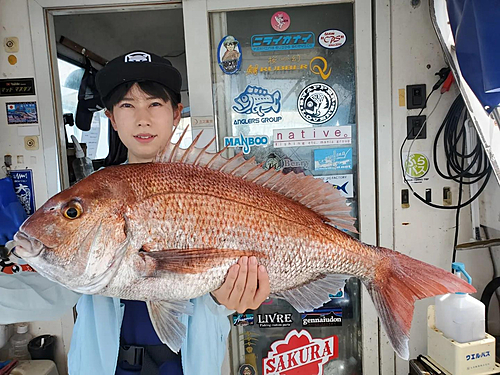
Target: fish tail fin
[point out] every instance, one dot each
(398, 282)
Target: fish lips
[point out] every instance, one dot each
(27, 246)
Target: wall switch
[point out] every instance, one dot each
(415, 96)
(415, 127)
(446, 196)
(405, 198)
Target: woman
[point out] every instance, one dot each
(141, 93)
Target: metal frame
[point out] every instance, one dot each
(200, 87)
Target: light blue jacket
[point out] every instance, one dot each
(96, 335)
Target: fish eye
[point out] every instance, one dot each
(73, 211)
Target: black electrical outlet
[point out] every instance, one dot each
(415, 96)
(415, 127)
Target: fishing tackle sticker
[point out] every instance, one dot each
(22, 113)
(280, 21)
(299, 353)
(246, 142)
(243, 320)
(317, 103)
(326, 135)
(331, 39)
(23, 185)
(246, 369)
(333, 159)
(319, 66)
(273, 320)
(229, 55)
(257, 100)
(342, 182)
(322, 318)
(280, 42)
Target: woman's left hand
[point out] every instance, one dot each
(246, 286)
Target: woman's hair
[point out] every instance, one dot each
(117, 151)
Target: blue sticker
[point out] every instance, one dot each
(22, 113)
(333, 158)
(279, 42)
(23, 185)
(243, 320)
(229, 55)
(257, 100)
(246, 142)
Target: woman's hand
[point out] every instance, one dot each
(246, 286)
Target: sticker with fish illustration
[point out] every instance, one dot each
(309, 354)
(331, 39)
(280, 21)
(322, 318)
(333, 158)
(22, 113)
(257, 100)
(317, 103)
(246, 142)
(342, 182)
(326, 135)
(243, 320)
(280, 42)
(229, 55)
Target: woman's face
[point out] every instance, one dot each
(144, 124)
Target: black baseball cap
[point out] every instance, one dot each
(138, 66)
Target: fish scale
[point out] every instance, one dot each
(168, 231)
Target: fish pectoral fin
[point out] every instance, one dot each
(315, 294)
(165, 319)
(188, 260)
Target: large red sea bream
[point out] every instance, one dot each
(168, 231)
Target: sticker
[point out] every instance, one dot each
(243, 320)
(299, 353)
(322, 318)
(17, 87)
(319, 66)
(22, 113)
(8, 267)
(257, 100)
(229, 55)
(296, 137)
(246, 369)
(280, 21)
(416, 165)
(333, 158)
(339, 294)
(255, 69)
(317, 103)
(23, 185)
(342, 182)
(274, 320)
(275, 161)
(246, 142)
(332, 39)
(279, 42)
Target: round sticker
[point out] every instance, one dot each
(280, 21)
(229, 55)
(317, 103)
(331, 39)
(416, 165)
(246, 370)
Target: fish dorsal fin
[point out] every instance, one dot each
(321, 197)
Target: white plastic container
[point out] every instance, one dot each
(19, 343)
(459, 316)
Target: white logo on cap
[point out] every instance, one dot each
(138, 57)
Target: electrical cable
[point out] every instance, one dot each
(454, 137)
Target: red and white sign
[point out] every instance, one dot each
(280, 21)
(300, 354)
(297, 137)
(332, 39)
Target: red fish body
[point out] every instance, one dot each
(168, 231)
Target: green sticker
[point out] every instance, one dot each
(416, 165)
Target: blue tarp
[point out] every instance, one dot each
(476, 27)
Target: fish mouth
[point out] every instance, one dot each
(26, 246)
